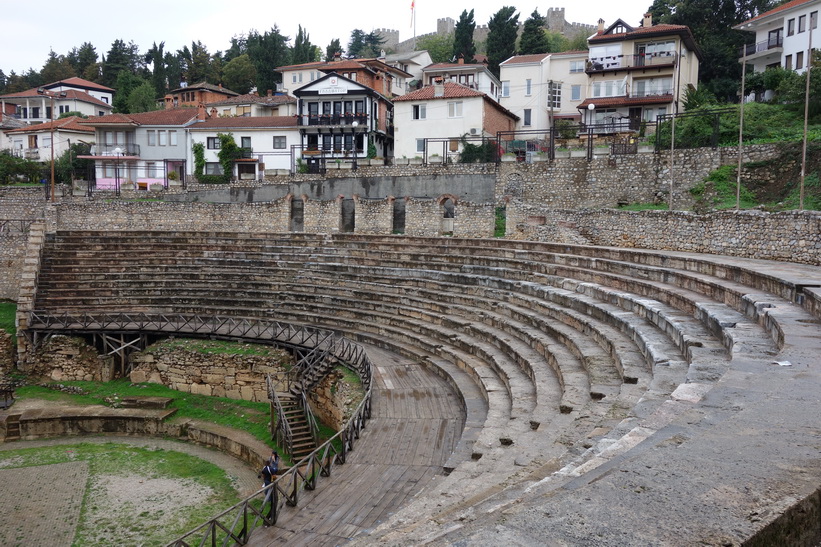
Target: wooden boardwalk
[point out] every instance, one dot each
(417, 420)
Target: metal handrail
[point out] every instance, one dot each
(282, 429)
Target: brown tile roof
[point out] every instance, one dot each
(247, 122)
(206, 86)
(642, 31)
(524, 59)
(248, 98)
(625, 101)
(173, 116)
(71, 94)
(782, 7)
(70, 123)
(79, 82)
(452, 91)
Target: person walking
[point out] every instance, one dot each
(269, 472)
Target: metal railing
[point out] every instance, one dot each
(333, 119)
(111, 150)
(765, 45)
(637, 60)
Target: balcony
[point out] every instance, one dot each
(772, 46)
(109, 150)
(332, 119)
(631, 62)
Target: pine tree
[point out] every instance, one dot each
(333, 48)
(267, 52)
(501, 38)
(356, 46)
(303, 50)
(534, 38)
(158, 75)
(463, 45)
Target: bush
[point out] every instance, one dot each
(13, 169)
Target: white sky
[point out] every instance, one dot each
(29, 34)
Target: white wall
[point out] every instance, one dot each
(437, 124)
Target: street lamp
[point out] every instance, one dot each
(51, 95)
(117, 153)
(591, 107)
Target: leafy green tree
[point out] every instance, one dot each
(173, 69)
(84, 60)
(57, 68)
(239, 46)
(201, 69)
(333, 48)
(792, 90)
(438, 46)
(3, 81)
(142, 98)
(576, 43)
(156, 57)
(356, 45)
(229, 152)
(69, 165)
(534, 38)
(125, 84)
(373, 44)
(121, 57)
(303, 51)
(199, 159)
(239, 74)
(13, 168)
(72, 113)
(267, 52)
(463, 46)
(501, 39)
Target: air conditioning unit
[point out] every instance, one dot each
(474, 131)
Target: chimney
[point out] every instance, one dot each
(601, 26)
(461, 60)
(337, 56)
(201, 111)
(270, 92)
(648, 20)
(438, 88)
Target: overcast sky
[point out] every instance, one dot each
(29, 34)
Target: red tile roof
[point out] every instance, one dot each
(247, 122)
(206, 86)
(173, 116)
(626, 101)
(782, 7)
(452, 90)
(70, 123)
(524, 59)
(79, 82)
(641, 31)
(248, 98)
(71, 94)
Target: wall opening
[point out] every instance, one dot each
(297, 215)
(348, 221)
(398, 226)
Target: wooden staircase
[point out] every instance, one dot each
(302, 440)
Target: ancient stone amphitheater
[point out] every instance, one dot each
(610, 396)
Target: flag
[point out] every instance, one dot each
(413, 5)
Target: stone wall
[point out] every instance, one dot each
(218, 375)
(12, 253)
(793, 236)
(374, 216)
(7, 346)
(68, 358)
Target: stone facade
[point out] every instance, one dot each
(374, 216)
(67, 358)
(218, 375)
(12, 253)
(7, 345)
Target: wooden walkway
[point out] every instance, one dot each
(416, 422)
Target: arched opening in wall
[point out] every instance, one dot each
(448, 215)
(501, 221)
(398, 216)
(348, 221)
(297, 215)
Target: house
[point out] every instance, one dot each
(432, 120)
(781, 36)
(473, 75)
(545, 87)
(141, 150)
(411, 62)
(266, 142)
(636, 74)
(341, 119)
(197, 94)
(38, 142)
(253, 105)
(387, 80)
(70, 95)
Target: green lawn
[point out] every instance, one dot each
(7, 312)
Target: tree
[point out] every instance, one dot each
(239, 74)
(267, 52)
(333, 48)
(438, 46)
(158, 75)
(501, 38)
(356, 45)
(303, 51)
(200, 68)
(463, 45)
(142, 98)
(84, 61)
(57, 68)
(173, 69)
(125, 84)
(534, 38)
(373, 44)
(120, 57)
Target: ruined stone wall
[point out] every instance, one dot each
(7, 347)
(474, 220)
(12, 253)
(68, 358)
(322, 216)
(218, 375)
(374, 216)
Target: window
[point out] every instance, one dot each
(653, 86)
(279, 143)
(151, 170)
(649, 114)
(244, 110)
(162, 138)
(152, 137)
(326, 142)
(528, 87)
(64, 109)
(527, 117)
(213, 168)
(799, 60)
(554, 94)
(245, 142)
(213, 143)
(455, 109)
(802, 23)
(172, 138)
(313, 75)
(506, 89)
(576, 92)
(105, 100)
(814, 20)
(420, 145)
(293, 78)
(419, 112)
(609, 88)
(35, 112)
(790, 27)
(788, 62)
(226, 112)
(576, 66)
(46, 142)
(108, 170)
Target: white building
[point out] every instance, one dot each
(411, 62)
(70, 95)
(472, 75)
(38, 142)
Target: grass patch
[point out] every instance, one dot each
(499, 227)
(220, 347)
(108, 517)
(8, 310)
(812, 195)
(718, 191)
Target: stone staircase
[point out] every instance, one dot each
(565, 356)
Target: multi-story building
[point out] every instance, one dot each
(35, 142)
(252, 105)
(376, 74)
(340, 119)
(138, 151)
(70, 95)
(411, 62)
(782, 36)
(472, 75)
(433, 119)
(196, 94)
